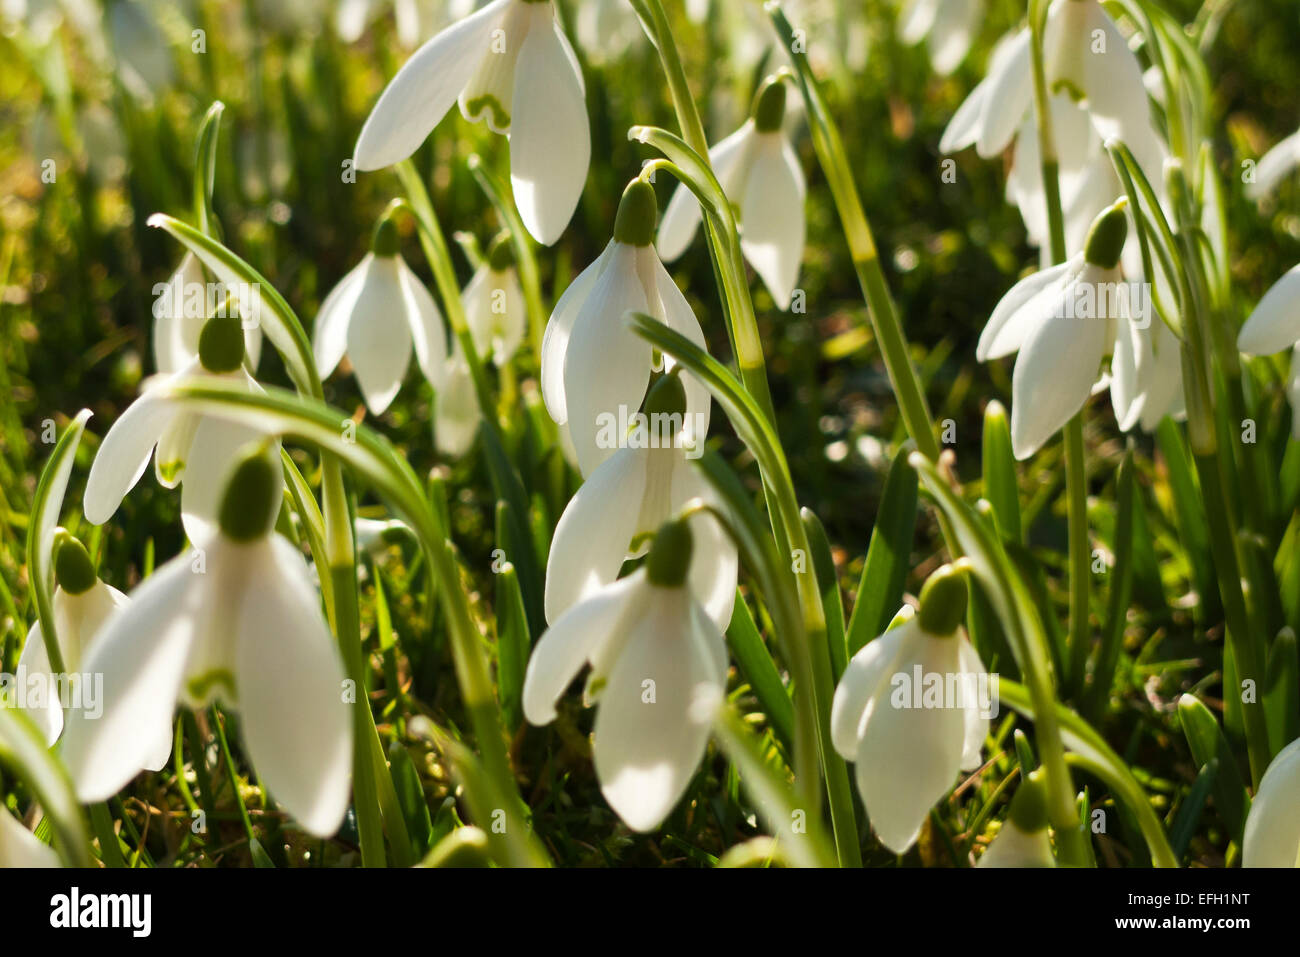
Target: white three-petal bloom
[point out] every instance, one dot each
(758, 171)
(180, 311)
(1062, 322)
(594, 366)
(376, 314)
(615, 513)
(19, 847)
(657, 663)
(510, 65)
(1023, 840)
(196, 451)
(240, 623)
(80, 611)
(907, 757)
(494, 304)
(1272, 836)
(1274, 326)
(950, 25)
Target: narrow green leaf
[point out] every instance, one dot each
(513, 645)
(829, 584)
(757, 667)
(23, 751)
(884, 574)
(1191, 808)
(1207, 743)
(1192, 527)
(999, 466)
(1282, 692)
(1121, 588)
(410, 795)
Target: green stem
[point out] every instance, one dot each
(651, 13)
(1076, 490)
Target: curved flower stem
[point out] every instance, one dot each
(862, 246)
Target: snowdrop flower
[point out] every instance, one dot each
(658, 662)
(494, 303)
(615, 513)
(909, 746)
(192, 450)
(1272, 837)
(594, 366)
(1274, 166)
(510, 65)
(240, 623)
(179, 313)
(82, 604)
(1146, 381)
(1062, 321)
(950, 25)
(1023, 840)
(376, 313)
(456, 413)
(19, 847)
(606, 29)
(758, 171)
(351, 18)
(1274, 326)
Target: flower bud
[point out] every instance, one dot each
(252, 498)
(670, 555)
(768, 111)
(667, 396)
(385, 241)
(1029, 806)
(638, 213)
(1106, 236)
(73, 570)
(501, 254)
(221, 343)
(943, 599)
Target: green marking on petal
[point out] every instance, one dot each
(170, 471)
(200, 686)
(479, 105)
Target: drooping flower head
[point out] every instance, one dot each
(375, 315)
(658, 662)
(759, 172)
(510, 66)
(908, 711)
(494, 303)
(237, 621)
(595, 369)
(1274, 326)
(1023, 839)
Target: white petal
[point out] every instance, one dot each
(1293, 392)
(330, 334)
(951, 36)
(647, 747)
(424, 89)
(456, 412)
(1274, 166)
(124, 455)
(916, 20)
(350, 19)
(476, 298)
(45, 713)
(296, 722)
(772, 216)
(864, 679)
(1009, 95)
(964, 127)
(1018, 313)
(1016, 848)
(555, 341)
(1272, 836)
(142, 654)
(730, 162)
(1275, 323)
(572, 640)
(428, 333)
(976, 724)
(908, 757)
(175, 335)
(678, 315)
(489, 94)
(550, 142)
(714, 563)
(19, 847)
(1125, 396)
(379, 335)
(592, 536)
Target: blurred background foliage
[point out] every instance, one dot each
(113, 96)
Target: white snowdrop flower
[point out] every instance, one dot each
(759, 172)
(606, 29)
(594, 367)
(376, 314)
(81, 605)
(494, 304)
(949, 25)
(656, 658)
(614, 515)
(456, 413)
(195, 451)
(179, 314)
(1274, 166)
(1274, 326)
(351, 17)
(19, 847)
(1146, 381)
(1062, 322)
(1272, 837)
(907, 741)
(1023, 840)
(510, 65)
(243, 626)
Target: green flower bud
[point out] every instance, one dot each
(252, 498)
(1029, 806)
(385, 241)
(667, 396)
(638, 213)
(1106, 236)
(501, 254)
(943, 599)
(768, 111)
(221, 343)
(670, 555)
(73, 570)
